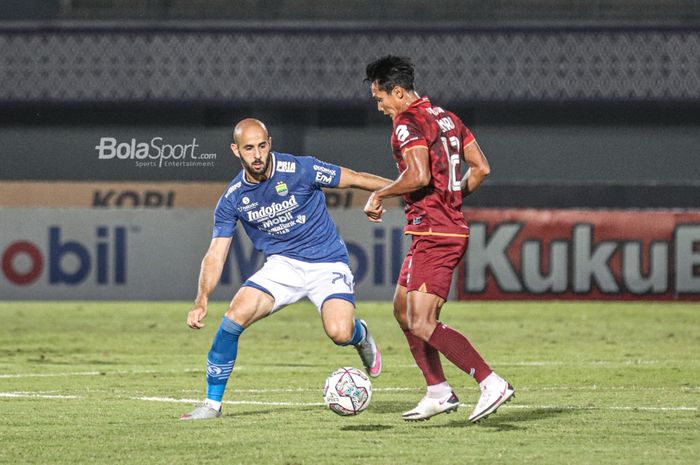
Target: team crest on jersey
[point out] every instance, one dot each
(281, 188)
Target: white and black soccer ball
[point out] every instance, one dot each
(347, 391)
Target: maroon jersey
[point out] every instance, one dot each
(437, 208)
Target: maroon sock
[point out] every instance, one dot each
(453, 345)
(427, 359)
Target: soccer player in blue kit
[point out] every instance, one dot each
(278, 199)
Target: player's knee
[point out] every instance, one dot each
(340, 333)
(420, 328)
(400, 315)
(234, 314)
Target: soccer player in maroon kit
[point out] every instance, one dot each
(428, 144)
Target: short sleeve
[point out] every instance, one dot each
(225, 218)
(407, 133)
(465, 134)
(320, 173)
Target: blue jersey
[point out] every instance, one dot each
(286, 214)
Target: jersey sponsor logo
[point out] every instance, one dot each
(272, 210)
(323, 169)
(323, 179)
(401, 132)
(232, 189)
(286, 167)
(277, 220)
(247, 205)
(281, 188)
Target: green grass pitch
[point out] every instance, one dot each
(103, 383)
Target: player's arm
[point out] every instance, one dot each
(414, 177)
(209, 275)
(478, 168)
(359, 180)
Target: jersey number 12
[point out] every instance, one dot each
(454, 171)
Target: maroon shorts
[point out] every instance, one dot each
(430, 262)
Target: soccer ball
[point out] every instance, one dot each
(347, 391)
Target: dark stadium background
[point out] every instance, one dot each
(577, 104)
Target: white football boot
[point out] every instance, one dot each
(203, 412)
(495, 391)
(428, 407)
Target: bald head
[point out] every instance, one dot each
(249, 127)
(251, 145)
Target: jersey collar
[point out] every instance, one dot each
(421, 101)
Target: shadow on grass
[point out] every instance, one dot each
(230, 413)
(506, 421)
(391, 407)
(366, 428)
(296, 365)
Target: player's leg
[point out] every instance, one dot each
(440, 398)
(426, 357)
(275, 285)
(341, 325)
(338, 317)
(422, 319)
(435, 259)
(248, 306)
(330, 288)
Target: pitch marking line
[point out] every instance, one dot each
(591, 407)
(31, 395)
(517, 406)
(229, 402)
(49, 375)
(518, 389)
(96, 373)
(410, 365)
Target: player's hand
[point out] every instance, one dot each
(374, 209)
(196, 315)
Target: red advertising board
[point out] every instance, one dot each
(581, 254)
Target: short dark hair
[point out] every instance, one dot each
(391, 71)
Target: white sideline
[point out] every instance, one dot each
(229, 402)
(95, 373)
(591, 407)
(49, 375)
(24, 394)
(517, 406)
(533, 363)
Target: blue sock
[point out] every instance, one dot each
(358, 335)
(221, 358)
